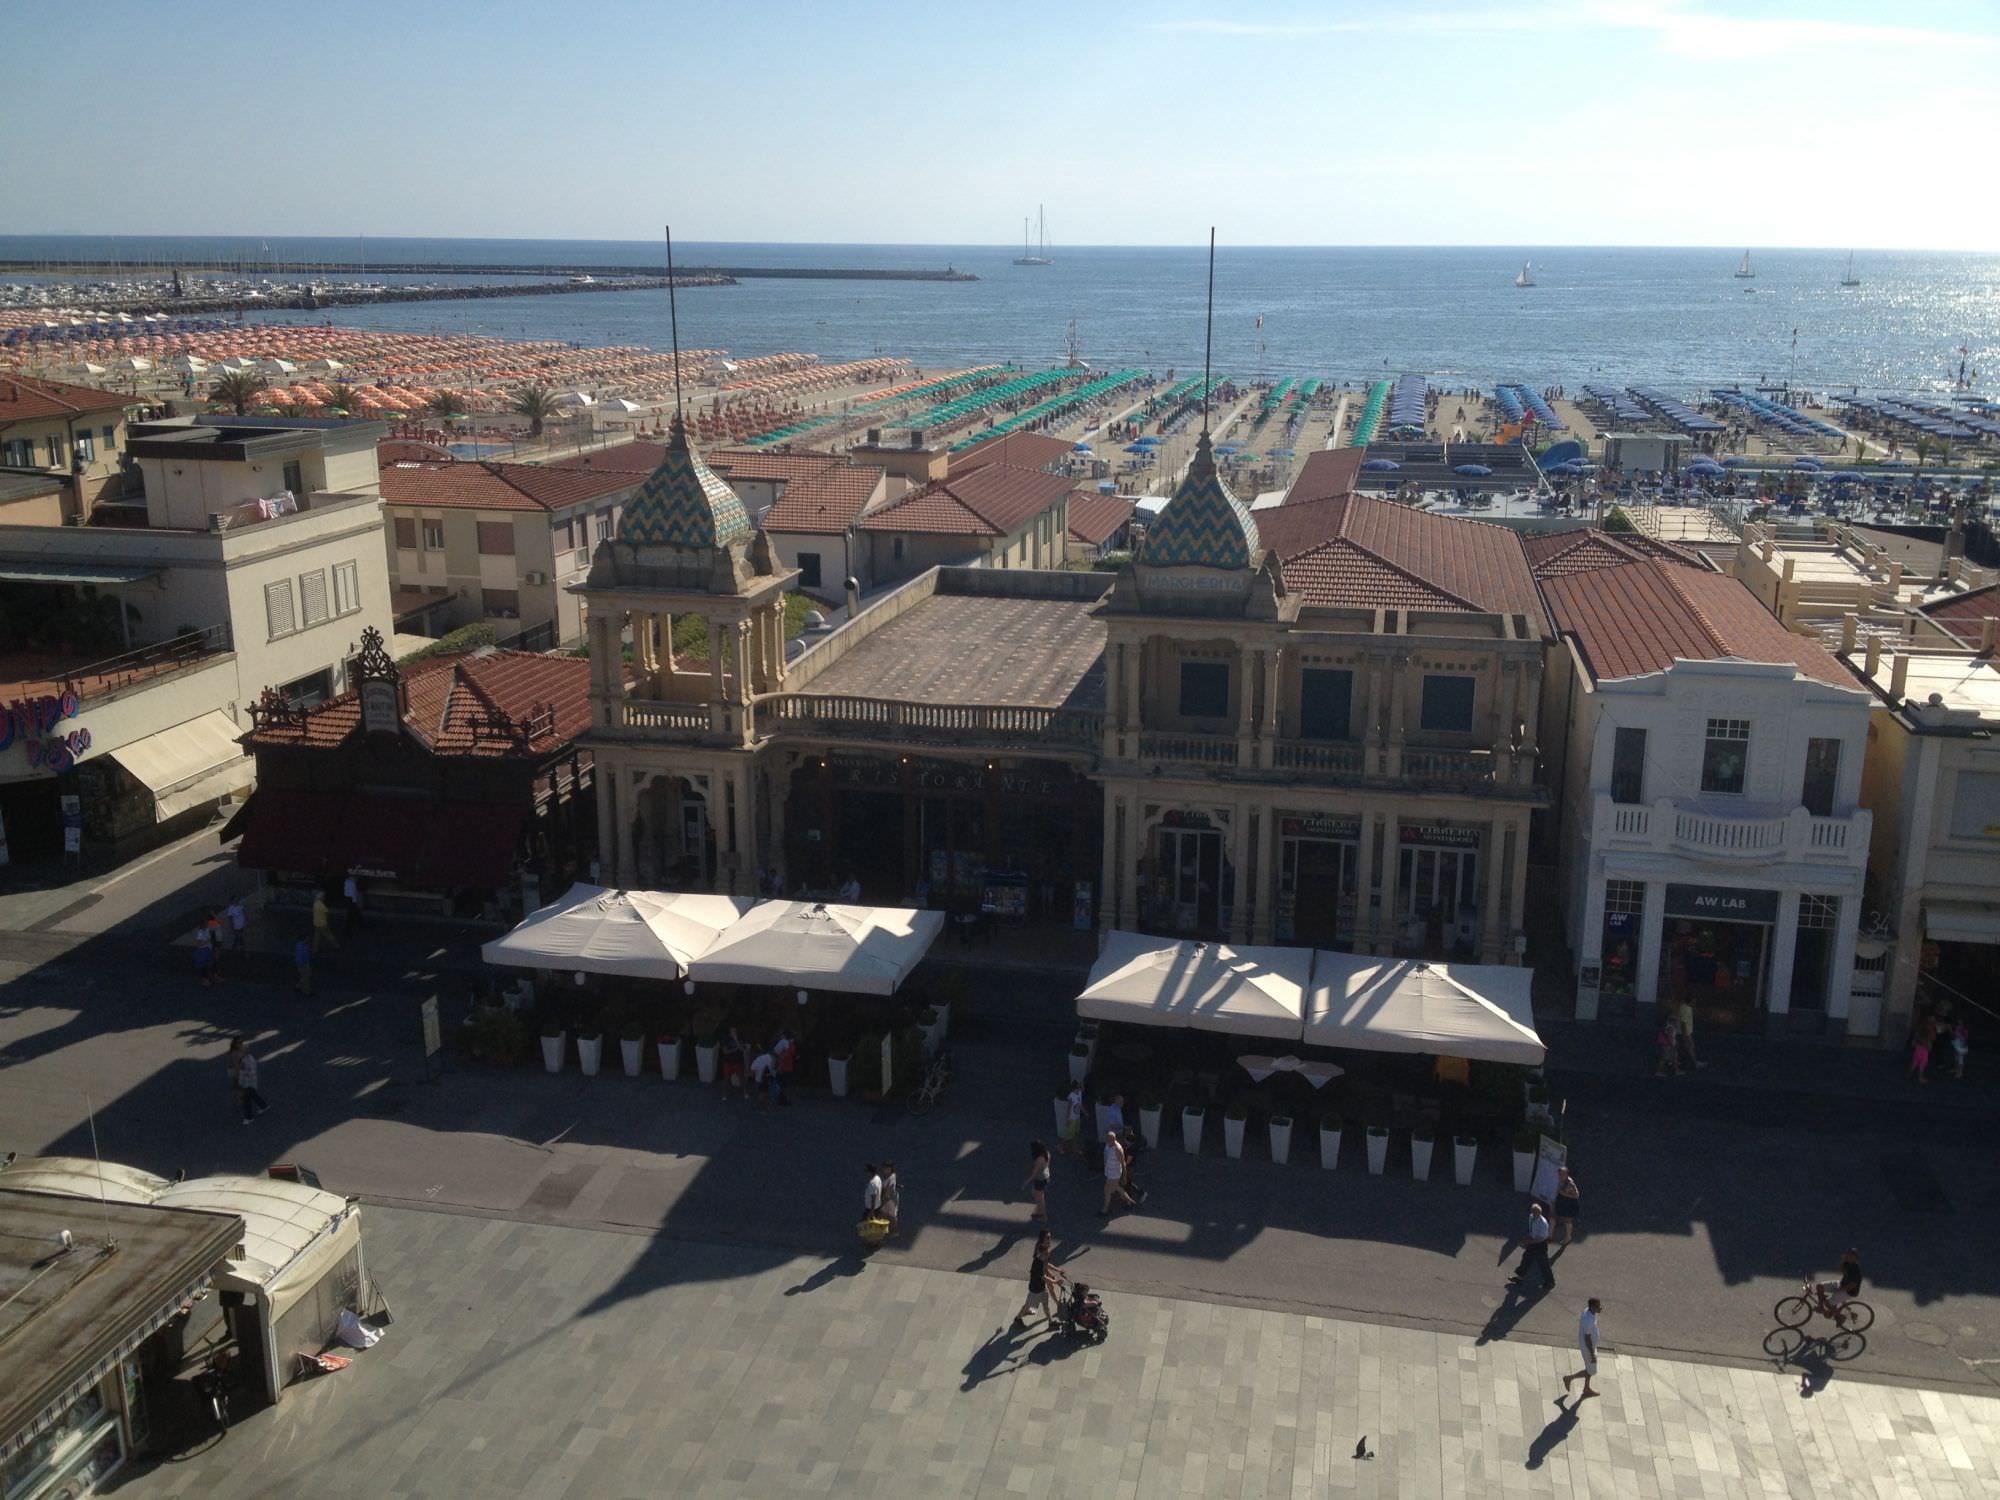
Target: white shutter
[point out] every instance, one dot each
(278, 607)
(346, 588)
(312, 596)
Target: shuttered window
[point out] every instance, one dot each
(312, 596)
(278, 607)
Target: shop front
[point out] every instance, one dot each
(1437, 889)
(1188, 882)
(1715, 953)
(1319, 858)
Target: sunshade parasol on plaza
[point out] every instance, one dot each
(1451, 1010)
(1154, 981)
(638, 934)
(858, 950)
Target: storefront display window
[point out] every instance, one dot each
(1624, 900)
(81, 1447)
(1812, 959)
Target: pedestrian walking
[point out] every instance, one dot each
(1685, 1017)
(242, 1064)
(1038, 1179)
(1586, 1340)
(237, 921)
(322, 923)
(764, 1078)
(204, 954)
(785, 1052)
(1114, 1175)
(1043, 1279)
(871, 1193)
(350, 897)
(302, 963)
(215, 929)
(1961, 1046)
(1920, 1049)
(1569, 1198)
(732, 1062)
(1130, 1142)
(1667, 1041)
(1072, 1131)
(892, 1198)
(1535, 1252)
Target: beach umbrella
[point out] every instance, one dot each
(1734, 461)
(1802, 462)
(1381, 465)
(1472, 471)
(1146, 442)
(1137, 448)
(1080, 448)
(1848, 476)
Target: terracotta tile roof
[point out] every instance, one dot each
(450, 695)
(498, 486)
(24, 398)
(1968, 608)
(623, 458)
(410, 451)
(994, 500)
(1338, 572)
(1583, 548)
(1641, 617)
(1021, 450)
(1329, 473)
(1289, 530)
(1093, 518)
(828, 501)
(758, 463)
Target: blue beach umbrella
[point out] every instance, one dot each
(1146, 442)
(1381, 465)
(1227, 448)
(1848, 476)
(1735, 461)
(1472, 471)
(1137, 448)
(1080, 448)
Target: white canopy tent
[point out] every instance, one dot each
(1209, 986)
(639, 934)
(860, 950)
(1480, 1011)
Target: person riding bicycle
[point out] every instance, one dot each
(1833, 1296)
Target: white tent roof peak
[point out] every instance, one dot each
(1209, 986)
(867, 950)
(1482, 1011)
(639, 934)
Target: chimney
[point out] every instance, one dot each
(1899, 676)
(1790, 564)
(1873, 658)
(853, 597)
(1986, 632)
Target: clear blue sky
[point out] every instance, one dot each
(1758, 122)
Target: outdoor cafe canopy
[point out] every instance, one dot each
(859, 950)
(1479, 1011)
(637, 934)
(1208, 986)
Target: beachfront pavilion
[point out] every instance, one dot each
(1314, 726)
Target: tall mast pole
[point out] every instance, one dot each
(674, 321)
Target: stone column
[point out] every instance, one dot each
(1109, 879)
(1246, 694)
(1392, 862)
(1135, 674)
(1784, 942)
(779, 804)
(1264, 863)
(1517, 887)
(1366, 710)
(745, 667)
(1132, 848)
(1531, 711)
(1590, 944)
(715, 645)
(627, 782)
(1492, 860)
(1652, 932)
(1272, 675)
(605, 780)
(1364, 879)
(1238, 854)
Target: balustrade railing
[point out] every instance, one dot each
(897, 719)
(1797, 834)
(1317, 755)
(1188, 749)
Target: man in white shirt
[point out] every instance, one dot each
(1586, 1338)
(1114, 1174)
(237, 918)
(763, 1070)
(1535, 1253)
(871, 1195)
(350, 894)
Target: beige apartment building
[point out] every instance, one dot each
(76, 432)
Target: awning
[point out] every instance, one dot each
(192, 763)
(1154, 981)
(856, 950)
(1480, 1011)
(289, 830)
(20, 572)
(639, 934)
(1961, 922)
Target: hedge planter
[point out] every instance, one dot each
(705, 1056)
(553, 1048)
(1421, 1147)
(1079, 1062)
(1329, 1147)
(1149, 1126)
(1378, 1149)
(670, 1058)
(590, 1053)
(1464, 1155)
(1281, 1139)
(632, 1051)
(1232, 1135)
(1191, 1122)
(836, 1075)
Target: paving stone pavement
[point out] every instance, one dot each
(542, 1361)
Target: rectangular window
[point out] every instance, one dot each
(1624, 902)
(433, 536)
(110, 438)
(346, 588)
(606, 524)
(1812, 957)
(496, 538)
(19, 453)
(505, 603)
(55, 452)
(1447, 704)
(1326, 702)
(808, 570)
(314, 687)
(1725, 758)
(1204, 690)
(312, 596)
(564, 534)
(86, 447)
(1975, 808)
(406, 533)
(896, 549)
(278, 607)
(295, 479)
(1822, 776)
(1628, 765)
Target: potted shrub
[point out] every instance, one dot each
(1281, 1139)
(1329, 1142)
(864, 1075)
(496, 1036)
(1464, 1154)
(1423, 1141)
(1527, 1142)
(1192, 1118)
(590, 1048)
(1079, 1061)
(670, 1058)
(707, 1053)
(836, 1070)
(632, 1044)
(1062, 1110)
(1378, 1146)
(1149, 1123)
(555, 1042)
(1234, 1119)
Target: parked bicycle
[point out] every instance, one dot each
(212, 1385)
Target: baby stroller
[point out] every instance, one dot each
(1081, 1315)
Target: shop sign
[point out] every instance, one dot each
(948, 776)
(33, 721)
(1722, 904)
(864, 770)
(1440, 836)
(1320, 826)
(1181, 818)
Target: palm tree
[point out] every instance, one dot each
(236, 389)
(344, 396)
(447, 404)
(537, 403)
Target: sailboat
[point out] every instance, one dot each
(1029, 256)
(1743, 271)
(1523, 279)
(1850, 279)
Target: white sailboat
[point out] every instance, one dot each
(1029, 256)
(1850, 279)
(1523, 279)
(1743, 271)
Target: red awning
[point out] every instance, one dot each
(288, 830)
(473, 844)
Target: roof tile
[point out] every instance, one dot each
(994, 500)
(447, 694)
(497, 486)
(829, 501)
(27, 398)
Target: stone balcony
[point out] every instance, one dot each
(1795, 837)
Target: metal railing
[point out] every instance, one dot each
(1188, 749)
(1317, 755)
(959, 723)
(142, 662)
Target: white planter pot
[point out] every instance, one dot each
(632, 1050)
(1062, 1116)
(1149, 1128)
(705, 1059)
(1464, 1155)
(943, 1022)
(1524, 1171)
(836, 1074)
(1378, 1150)
(1191, 1123)
(1079, 1067)
(1420, 1159)
(1232, 1137)
(590, 1053)
(553, 1048)
(1329, 1149)
(670, 1059)
(1281, 1142)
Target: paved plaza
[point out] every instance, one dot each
(545, 1361)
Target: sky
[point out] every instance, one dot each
(1507, 122)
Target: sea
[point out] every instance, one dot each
(1680, 319)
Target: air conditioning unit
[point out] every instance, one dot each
(534, 578)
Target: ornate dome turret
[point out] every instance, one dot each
(684, 503)
(1204, 525)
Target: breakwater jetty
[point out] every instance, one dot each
(627, 275)
(311, 299)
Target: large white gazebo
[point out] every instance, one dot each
(637, 934)
(864, 950)
(1480, 1011)
(1154, 981)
